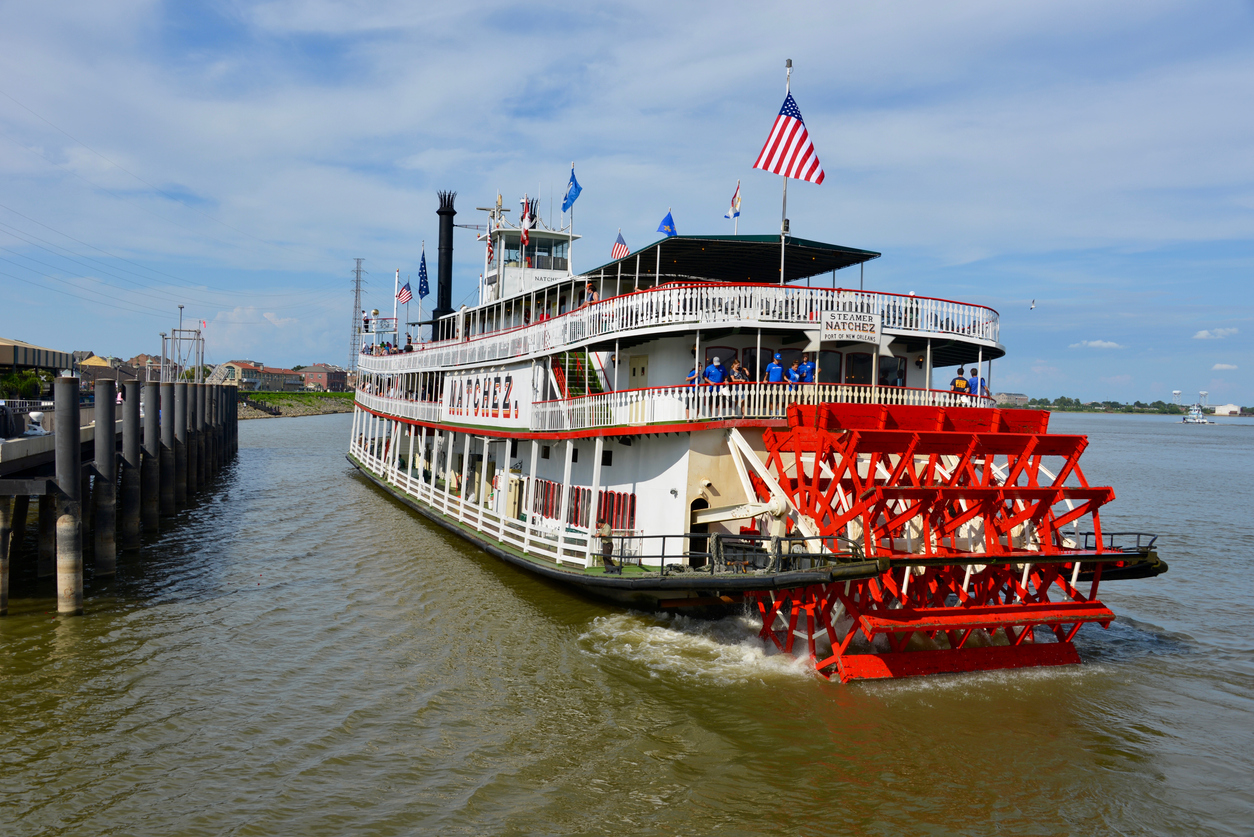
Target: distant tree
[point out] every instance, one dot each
(297, 368)
(27, 384)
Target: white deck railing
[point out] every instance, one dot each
(672, 405)
(668, 405)
(427, 411)
(701, 305)
(538, 537)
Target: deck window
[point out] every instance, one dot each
(892, 371)
(757, 360)
(829, 367)
(858, 368)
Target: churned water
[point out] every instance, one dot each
(301, 655)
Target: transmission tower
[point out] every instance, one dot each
(354, 341)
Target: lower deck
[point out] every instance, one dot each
(479, 488)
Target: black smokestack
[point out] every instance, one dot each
(444, 267)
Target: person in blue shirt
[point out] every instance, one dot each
(806, 369)
(794, 375)
(690, 381)
(714, 375)
(774, 372)
(977, 385)
(714, 372)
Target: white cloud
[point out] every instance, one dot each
(1095, 344)
(1220, 367)
(1215, 333)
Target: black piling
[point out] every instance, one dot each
(167, 449)
(46, 567)
(131, 465)
(105, 496)
(215, 454)
(69, 480)
(6, 532)
(191, 440)
(199, 417)
(180, 443)
(21, 510)
(150, 472)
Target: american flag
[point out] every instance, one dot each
(405, 295)
(490, 248)
(788, 150)
(620, 249)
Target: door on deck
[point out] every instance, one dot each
(639, 378)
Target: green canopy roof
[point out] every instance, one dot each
(734, 258)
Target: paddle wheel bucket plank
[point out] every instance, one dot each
(968, 523)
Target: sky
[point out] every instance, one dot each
(235, 157)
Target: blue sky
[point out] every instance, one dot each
(237, 156)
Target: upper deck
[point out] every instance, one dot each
(957, 330)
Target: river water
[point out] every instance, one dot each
(301, 655)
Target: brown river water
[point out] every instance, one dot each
(301, 655)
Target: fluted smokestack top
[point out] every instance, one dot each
(444, 267)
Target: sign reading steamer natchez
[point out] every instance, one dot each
(490, 398)
(850, 326)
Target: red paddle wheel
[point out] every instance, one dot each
(974, 537)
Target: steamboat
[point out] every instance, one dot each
(868, 515)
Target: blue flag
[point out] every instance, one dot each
(572, 191)
(424, 290)
(667, 226)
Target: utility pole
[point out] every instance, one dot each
(354, 341)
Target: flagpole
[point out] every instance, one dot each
(783, 224)
(570, 247)
(396, 290)
(424, 259)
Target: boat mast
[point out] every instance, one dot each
(783, 225)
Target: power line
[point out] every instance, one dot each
(354, 340)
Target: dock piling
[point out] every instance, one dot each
(105, 492)
(192, 487)
(6, 529)
(69, 469)
(47, 537)
(199, 418)
(167, 448)
(180, 443)
(21, 510)
(130, 466)
(150, 470)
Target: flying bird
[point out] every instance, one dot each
(1033, 305)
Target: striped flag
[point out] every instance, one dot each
(405, 294)
(620, 249)
(788, 150)
(734, 212)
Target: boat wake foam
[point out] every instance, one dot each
(726, 650)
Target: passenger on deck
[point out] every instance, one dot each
(959, 383)
(975, 384)
(793, 375)
(806, 369)
(605, 533)
(738, 377)
(592, 296)
(775, 372)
